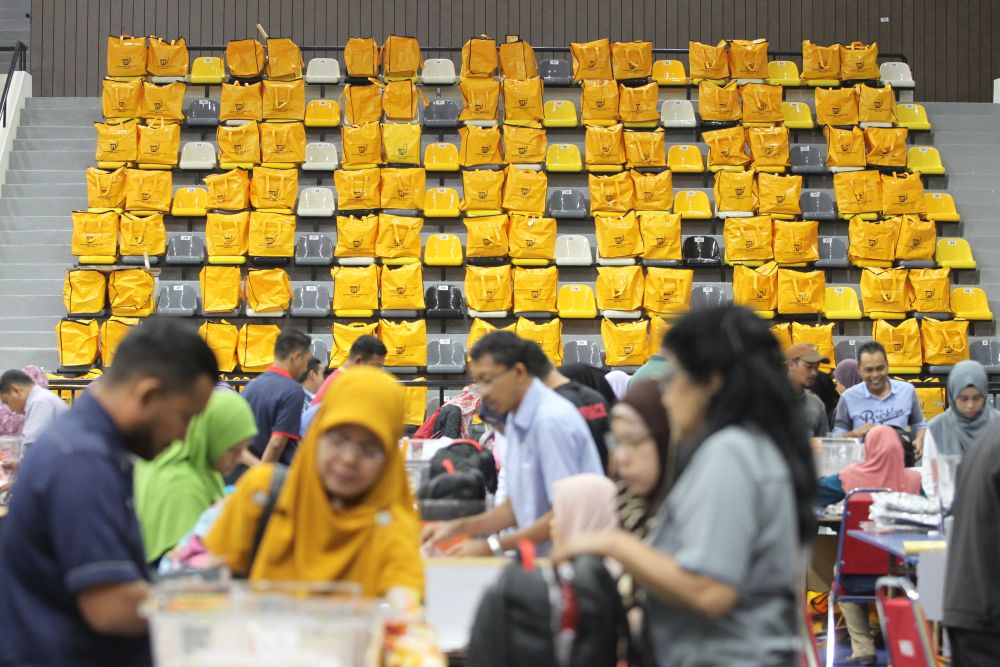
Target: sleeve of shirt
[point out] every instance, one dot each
(231, 538)
(829, 490)
(917, 420)
(842, 422)
(822, 424)
(566, 449)
(288, 418)
(38, 417)
(926, 469)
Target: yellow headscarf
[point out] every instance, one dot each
(374, 542)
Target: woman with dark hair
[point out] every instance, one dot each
(722, 570)
(591, 377)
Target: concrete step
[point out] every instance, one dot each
(54, 144)
(14, 357)
(950, 137)
(28, 176)
(14, 14)
(41, 286)
(93, 103)
(980, 182)
(53, 206)
(35, 305)
(21, 323)
(52, 237)
(44, 253)
(30, 270)
(963, 108)
(11, 34)
(967, 123)
(63, 223)
(50, 159)
(44, 339)
(44, 190)
(59, 117)
(58, 132)
(972, 150)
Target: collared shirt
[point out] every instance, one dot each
(276, 399)
(318, 398)
(900, 408)
(817, 422)
(41, 408)
(309, 396)
(71, 527)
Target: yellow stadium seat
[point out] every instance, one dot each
(783, 73)
(924, 159)
(941, 207)
(842, 303)
(715, 168)
(576, 302)
(323, 113)
(685, 159)
(98, 259)
(693, 205)
(441, 157)
(442, 203)
(559, 113)
(563, 158)
(190, 203)
(797, 116)
(227, 260)
(912, 117)
(669, 73)
(605, 168)
(954, 254)
(970, 303)
(443, 250)
(207, 71)
(111, 166)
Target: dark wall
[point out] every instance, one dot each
(949, 42)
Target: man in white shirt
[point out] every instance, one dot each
(39, 406)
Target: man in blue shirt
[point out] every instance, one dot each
(72, 565)
(547, 440)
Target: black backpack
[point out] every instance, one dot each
(461, 471)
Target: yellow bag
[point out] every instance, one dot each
(668, 291)
(625, 343)
(113, 331)
(117, 143)
(903, 193)
(901, 342)
(884, 290)
(707, 61)
(524, 145)
(126, 56)
(836, 106)
(756, 288)
(611, 193)
(618, 235)
(548, 335)
(858, 192)
(481, 99)
(748, 239)
(405, 342)
(121, 99)
(255, 347)
(355, 287)
(357, 188)
(241, 101)
(284, 59)
(619, 287)
(245, 58)
(415, 405)
(930, 290)
(796, 241)
(599, 102)
(517, 60)
(783, 332)
(229, 191)
(645, 149)
(532, 237)
(77, 342)
(661, 235)
(268, 291)
(106, 189)
(401, 57)
(801, 292)
(522, 100)
(917, 238)
(605, 145)
(872, 240)
(735, 191)
(356, 236)
(819, 335)
(489, 288)
(167, 58)
(401, 143)
(361, 57)
(639, 104)
(761, 103)
(876, 105)
(748, 59)
(362, 103)
(404, 188)
(719, 103)
(398, 236)
(727, 147)
(820, 62)
(274, 188)
(163, 102)
(479, 58)
(159, 143)
(479, 146)
(220, 289)
(284, 100)
(227, 234)
(591, 60)
(131, 293)
(362, 145)
(400, 100)
(535, 290)
(480, 328)
(779, 195)
(632, 60)
(94, 233)
(239, 145)
(483, 190)
(486, 236)
(283, 143)
(403, 287)
(944, 343)
(652, 192)
(148, 190)
(84, 292)
(844, 148)
(221, 337)
(859, 61)
(769, 146)
(525, 191)
(272, 234)
(658, 328)
(145, 234)
(344, 336)
(886, 146)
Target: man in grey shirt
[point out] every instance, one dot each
(803, 360)
(38, 405)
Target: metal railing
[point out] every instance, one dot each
(18, 63)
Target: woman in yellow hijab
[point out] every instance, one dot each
(344, 512)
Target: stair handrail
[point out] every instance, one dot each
(18, 63)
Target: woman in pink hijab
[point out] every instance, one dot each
(583, 504)
(883, 468)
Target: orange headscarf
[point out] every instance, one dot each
(374, 542)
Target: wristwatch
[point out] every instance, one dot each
(493, 542)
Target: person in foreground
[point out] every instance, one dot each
(344, 512)
(20, 393)
(172, 491)
(72, 564)
(722, 568)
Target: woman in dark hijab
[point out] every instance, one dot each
(590, 377)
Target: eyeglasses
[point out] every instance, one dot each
(342, 445)
(613, 443)
(481, 386)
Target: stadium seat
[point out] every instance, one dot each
(202, 113)
(669, 73)
(576, 301)
(710, 296)
(583, 352)
(808, 159)
(701, 251)
(444, 301)
(320, 348)
(832, 253)
(913, 117)
(314, 250)
(567, 204)
(322, 113)
(441, 114)
(817, 205)
(848, 348)
(197, 156)
(321, 156)
(970, 303)
(438, 72)
(783, 73)
(310, 301)
(693, 205)
(677, 114)
(954, 253)
(842, 303)
(685, 159)
(941, 207)
(185, 250)
(190, 203)
(177, 300)
(443, 250)
(442, 203)
(445, 356)
(207, 71)
(925, 160)
(897, 75)
(797, 115)
(441, 157)
(555, 72)
(323, 71)
(573, 250)
(316, 203)
(559, 113)
(987, 352)
(563, 158)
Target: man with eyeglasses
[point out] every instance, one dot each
(547, 440)
(803, 360)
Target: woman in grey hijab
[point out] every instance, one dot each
(951, 433)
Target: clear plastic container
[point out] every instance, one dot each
(834, 454)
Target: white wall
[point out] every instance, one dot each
(20, 88)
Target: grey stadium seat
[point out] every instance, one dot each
(185, 250)
(314, 250)
(445, 355)
(817, 205)
(177, 299)
(583, 352)
(320, 350)
(203, 113)
(568, 204)
(441, 113)
(987, 352)
(310, 301)
(710, 296)
(832, 253)
(556, 72)
(809, 159)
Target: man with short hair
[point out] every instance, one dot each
(72, 564)
(38, 405)
(312, 381)
(366, 351)
(803, 360)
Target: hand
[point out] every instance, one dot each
(585, 543)
(470, 549)
(434, 533)
(918, 448)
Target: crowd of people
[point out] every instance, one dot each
(693, 479)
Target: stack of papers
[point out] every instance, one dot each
(904, 511)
